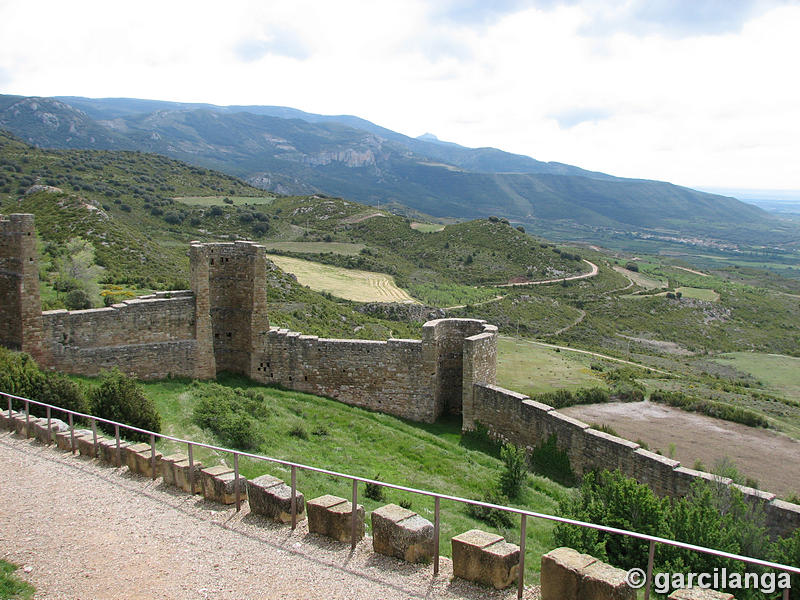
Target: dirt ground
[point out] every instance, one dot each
(768, 457)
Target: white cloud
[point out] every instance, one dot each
(694, 101)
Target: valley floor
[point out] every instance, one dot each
(91, 531)
(761, 454)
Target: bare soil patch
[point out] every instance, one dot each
(764, 455)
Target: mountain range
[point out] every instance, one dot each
(289, 151)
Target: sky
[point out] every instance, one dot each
(703, 93)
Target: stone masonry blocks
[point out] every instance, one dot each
(168, 467)
(107, 451)
(401, 533)
(485, 558)
(271, 497)
(138, 457)
(219, 484)
(331, 516)
(569, 575)
(182, 472)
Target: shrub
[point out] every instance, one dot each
(787, 552)
(230, 415)
(120, 398)
(520, 228)
(373, 491)
(21, 376)
(216, 211)
(299, 432)
(546, 459)
(77, 299)
(515, 472)
(632, 266)
(492, 516)
(616, 501)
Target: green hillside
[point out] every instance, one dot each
(291, 152)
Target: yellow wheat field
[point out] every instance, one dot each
(350, 284)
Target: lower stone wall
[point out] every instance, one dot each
(152, 337)
(519, 420)
(389, 376)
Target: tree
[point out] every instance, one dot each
(120, 398)
(76, 268)
(515, 473)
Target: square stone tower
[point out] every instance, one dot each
(21, 306)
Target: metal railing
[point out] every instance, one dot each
(523, 514)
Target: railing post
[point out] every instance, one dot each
(236, 481)
(27, 419)
(436, 535)
(9, 408)
(521, 573)
(191, 469)
(153, 455)
(71, 432)
(354, 515)
(94, 437)
(649, 581)
(788, 589)
(116, 437)
(294, 498)
(49, 431)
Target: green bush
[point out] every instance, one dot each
(120, 398)
(515, 472)
(231, 415)
(787, 551)
(547, 460)
(492, 516)
(21, 376)
(77, 299)
(373, 491)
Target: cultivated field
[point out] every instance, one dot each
(531, 369)
(427, 227)
(699, 293)
(649, 283)
(316, 247)
(779, 373)
(766, 456)
(220, 200)
(350, 284)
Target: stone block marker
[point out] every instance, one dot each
(485, 558)
(181, 472)
(64, 438)
(167, 467)
(41, 433)
(699, 594)
(6, 421)
(569, 575)
(219, 485)
(271, 497)
(107, 451)
(399, 532)
(138, 457)
(331, 516)
(87, 447)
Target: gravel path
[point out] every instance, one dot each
(86, 530)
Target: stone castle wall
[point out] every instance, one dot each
(519, 420)
(150, 337)
(222, 325)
